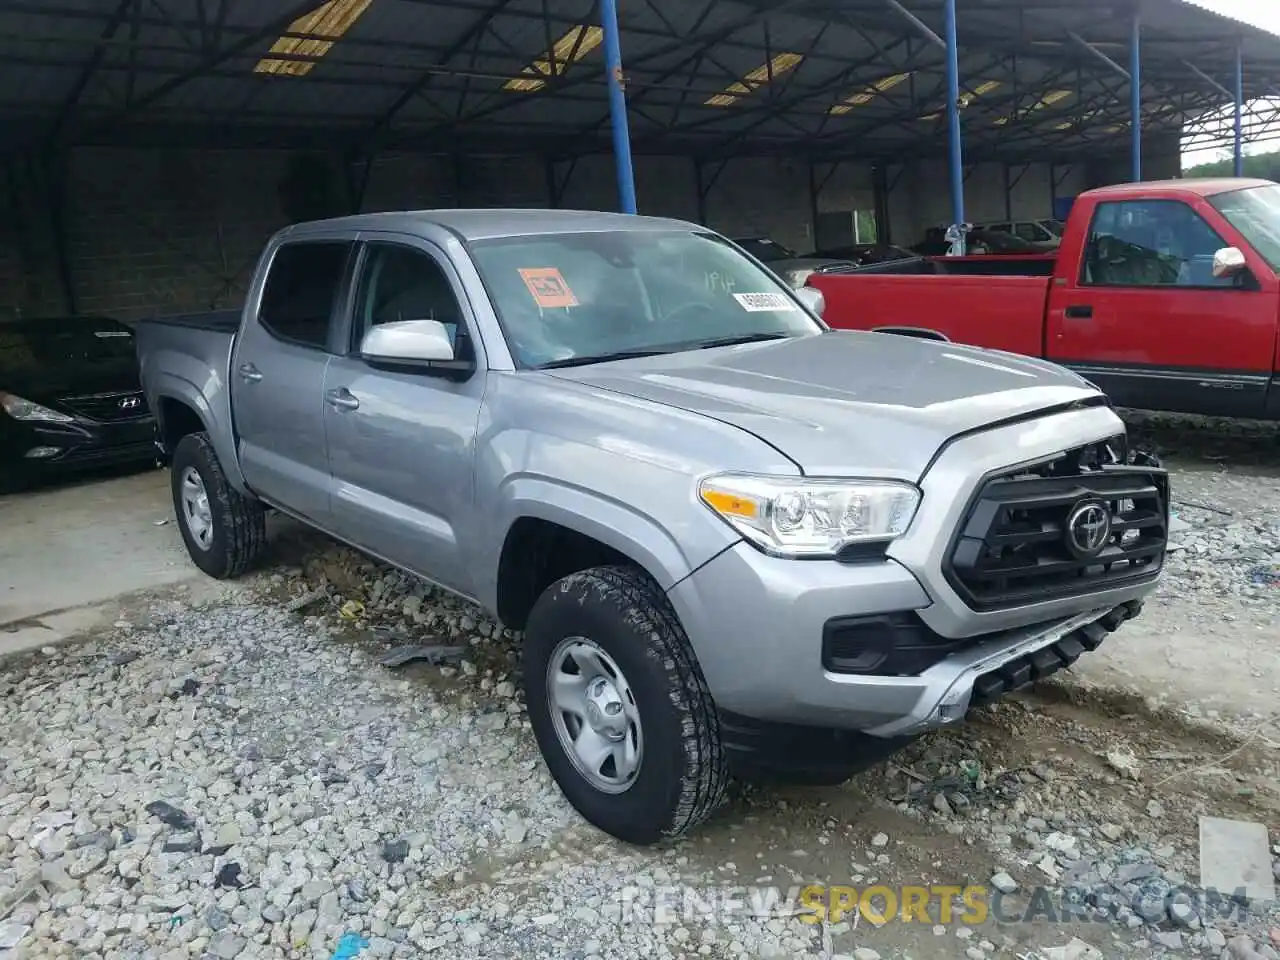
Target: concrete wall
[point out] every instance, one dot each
(169, 231)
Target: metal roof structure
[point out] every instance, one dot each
(829, 79)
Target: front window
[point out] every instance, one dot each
(1255, 212)
(1056, 227)
(1151, 243)
(567, 299)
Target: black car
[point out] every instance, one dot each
(865, 254)
(980, 242)
(70, 398)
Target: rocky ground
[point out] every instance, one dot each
(243, 776)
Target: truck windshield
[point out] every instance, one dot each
(1255, 212)
(566, 299)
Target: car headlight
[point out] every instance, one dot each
(794, 517)
(21, 409)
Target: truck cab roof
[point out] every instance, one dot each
(1194, 187)
(495, 224)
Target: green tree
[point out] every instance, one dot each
(1265, 166)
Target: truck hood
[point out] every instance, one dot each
(845, 403)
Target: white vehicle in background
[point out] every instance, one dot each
(1047, 231)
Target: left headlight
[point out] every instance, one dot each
(810, 518)
(21, 409)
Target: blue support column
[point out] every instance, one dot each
(618, 106)
(1135, 94)
(1238, 153)
(953, 117)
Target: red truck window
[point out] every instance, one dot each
(1255, 212)
(1146, 243)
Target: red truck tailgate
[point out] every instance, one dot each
(1003, 313)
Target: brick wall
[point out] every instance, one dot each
(174, 231)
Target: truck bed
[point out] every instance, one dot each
(1000, 312)
(1011, 265)
(225, 321)
(189, 355)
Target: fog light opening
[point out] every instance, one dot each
(42, 453)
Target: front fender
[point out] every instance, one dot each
(631, 532)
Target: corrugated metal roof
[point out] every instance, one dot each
(421, 72)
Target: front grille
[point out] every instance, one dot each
(1080, 524)
(109, 407)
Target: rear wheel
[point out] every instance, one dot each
(224, 530)
(620, 708)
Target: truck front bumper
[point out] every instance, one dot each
(762, 629)
(888, 648)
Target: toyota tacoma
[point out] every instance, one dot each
(734, 540)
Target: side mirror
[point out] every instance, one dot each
(1228, 262)
(813, 300)
(424, 344)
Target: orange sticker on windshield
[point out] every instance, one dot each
(548, 287)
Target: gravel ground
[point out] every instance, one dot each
(241, 777)
(1206, 645)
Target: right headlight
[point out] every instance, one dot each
(795, 517)
(21, 409)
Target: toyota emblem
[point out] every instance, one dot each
(1088, 528)
(130, 403)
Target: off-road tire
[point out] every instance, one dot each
(239, 523)
(683, 776)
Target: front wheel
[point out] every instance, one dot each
(223, 529)
(620, 708)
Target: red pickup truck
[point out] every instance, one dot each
(1166, 295)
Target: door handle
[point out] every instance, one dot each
(249, 373)
(1079, 312)
(342, 399)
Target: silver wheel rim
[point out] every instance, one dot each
(195, 509)
(594, 714)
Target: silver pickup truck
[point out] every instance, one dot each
(735, 540)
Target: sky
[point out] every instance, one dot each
(1260, 13)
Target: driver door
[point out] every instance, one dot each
(401, 443)
(1148, 322)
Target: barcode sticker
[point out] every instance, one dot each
(763, 302)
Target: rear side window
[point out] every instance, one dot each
(302, 290)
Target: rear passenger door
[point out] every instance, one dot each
(277, 377)
(402, 442)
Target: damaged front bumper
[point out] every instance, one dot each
(1000, 665)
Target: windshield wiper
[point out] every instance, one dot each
(740, 339)
(601, 358)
